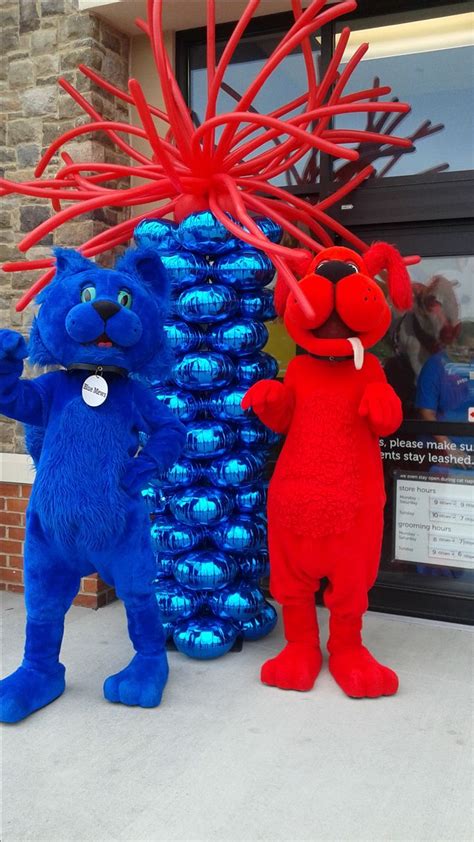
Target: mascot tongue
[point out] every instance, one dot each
(357, 350)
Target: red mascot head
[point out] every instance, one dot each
(350, 309)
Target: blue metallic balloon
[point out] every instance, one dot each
(142, 438)
(253, 565)
(205, 570)
(201, 504)
(234, 469)
(174, 601)
(183, 337)
(184, 405)
(154, 498)
(261, 625)
(182, 474)
(239, 534)
(238, 336)
(258, 304)
(226, 404)
(203, 370)
(185, 269)
(159, 233)
(255, 434)
(238, 602)
(251, 499)
(167, 536)
(249, 269)
(206, 439)
(271, 229)
(261, 366)
(168, 629)
(203, 233)
(205, 637)
(164, 566)
(206, 304)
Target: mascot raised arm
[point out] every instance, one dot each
(326, 496)
(86, 514)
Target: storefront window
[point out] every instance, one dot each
(285, 83)
(428, 357)
(425, 54)
(428, 353)
(428, 62)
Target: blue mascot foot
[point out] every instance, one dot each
(141, 683)
(28, 689)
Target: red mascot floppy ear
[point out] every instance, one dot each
(382, 256)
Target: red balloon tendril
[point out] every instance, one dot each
(189, 169)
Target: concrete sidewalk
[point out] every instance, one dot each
(225, 758)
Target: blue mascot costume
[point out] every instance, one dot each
(86, 514)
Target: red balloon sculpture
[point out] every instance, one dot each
(190, 170)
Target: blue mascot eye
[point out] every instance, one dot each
(88, 294)
(125, 298)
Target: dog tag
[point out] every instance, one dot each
(94, 390)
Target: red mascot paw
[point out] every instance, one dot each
(295, 668)
(382, 408)
(360, 675)
(263, 395)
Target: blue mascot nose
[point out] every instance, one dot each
(106, 309)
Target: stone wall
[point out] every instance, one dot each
(40, 41)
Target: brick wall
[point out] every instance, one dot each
(94, 593)
(41, 40)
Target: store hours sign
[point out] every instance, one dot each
(434, 519)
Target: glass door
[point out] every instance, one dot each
(427, 565)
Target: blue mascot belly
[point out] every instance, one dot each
(77, 492)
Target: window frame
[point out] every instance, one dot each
(430, 214)
(439, 601)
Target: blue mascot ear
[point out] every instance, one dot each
(69, 261)
(145, 263)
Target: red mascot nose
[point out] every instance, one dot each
(319, 291)
(360, 302)
(334, 270)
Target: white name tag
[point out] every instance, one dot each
(94, 390)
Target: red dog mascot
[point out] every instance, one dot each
(326, 497)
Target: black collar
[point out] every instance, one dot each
(330, 359)
(98, 369)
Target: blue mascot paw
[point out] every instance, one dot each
(12, 346)
(27, 690)
(13, 351)
(141, 683)
(136, 474)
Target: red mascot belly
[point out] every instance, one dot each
(330, 465)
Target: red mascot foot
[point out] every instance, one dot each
(360, 675)
(295, 668)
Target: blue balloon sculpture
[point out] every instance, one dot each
(208, 511)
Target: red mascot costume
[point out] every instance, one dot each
(326, 497)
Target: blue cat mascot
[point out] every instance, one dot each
(104, 326)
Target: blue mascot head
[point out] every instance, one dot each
(104, 317)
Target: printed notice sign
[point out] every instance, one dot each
(434, 522)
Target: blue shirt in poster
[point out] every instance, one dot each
(447, 388)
